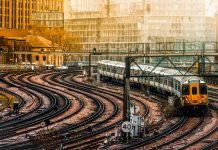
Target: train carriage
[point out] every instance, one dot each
(191, 91)
(194, 94)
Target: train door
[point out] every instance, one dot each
(203, 94)
(185, 94)
(194, 87)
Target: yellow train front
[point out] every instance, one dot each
(194, 95)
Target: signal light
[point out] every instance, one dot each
(42, 51)
(94, 51)
(1, 50)
(47, 122)
(89, 129)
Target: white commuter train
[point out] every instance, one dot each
(191, 90)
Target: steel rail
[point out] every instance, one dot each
(156, 137)
(101, 130)
(37, 118)
(200, 122)
(28, 146)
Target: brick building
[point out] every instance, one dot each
(29, 48)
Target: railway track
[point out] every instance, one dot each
(38, 119)
(96, 125)
(169, 130)
(128, 146)
(185, 132)
(211, 146)
(170, 144)
(90, 135)
(7, 103)
(199, 142)
(57, 85)
(13, 121)
(10, 147)
(200, 122)
(18, 97)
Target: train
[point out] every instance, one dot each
(191, 92)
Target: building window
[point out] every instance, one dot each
(44, 58)
(37, 58)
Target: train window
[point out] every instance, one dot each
(176, 87)
(179, 86)
(149, 78)
(170, 82)
(203, 89)
(161, 79)
(194, 90)
(119, 71)
(113, 70)
(116, 71)
(107, 69)
(185, 90)
(140, 72)
(132, 72)
(165, 81)
(157, 79)
(122, 71)
(136, 72)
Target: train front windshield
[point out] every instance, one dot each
(185, 90)
(203, 89)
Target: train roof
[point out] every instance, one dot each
(194, 81)
(157, 70)
(112, 63)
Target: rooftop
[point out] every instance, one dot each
(13, 32)
(38, 41)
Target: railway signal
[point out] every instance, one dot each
(42, 51)
(28, 136)
(47, 122)
(16, 108)
(1, 50)
(89, 129)
(94, 51)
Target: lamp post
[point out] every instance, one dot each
(1, 52)
(64, 57)
(14, 55)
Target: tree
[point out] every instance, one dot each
(64, 40)
(69, 43)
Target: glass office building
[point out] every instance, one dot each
(121, 25)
